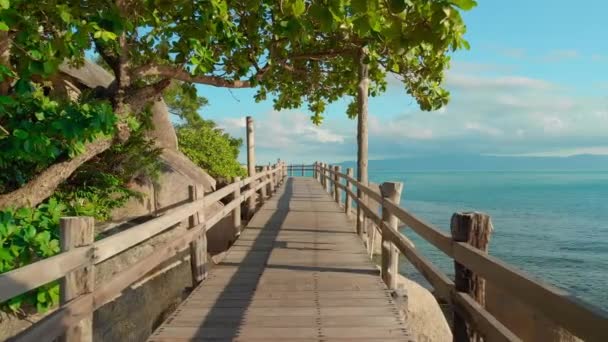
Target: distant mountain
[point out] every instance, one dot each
(583, 162)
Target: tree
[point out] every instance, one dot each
(200, 140)
(270, 45)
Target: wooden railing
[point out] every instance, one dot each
(298, 170)
(75, 265)
(470, 316)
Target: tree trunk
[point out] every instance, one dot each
(43, 185)
(362, 131)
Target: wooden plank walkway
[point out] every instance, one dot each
(298, 272)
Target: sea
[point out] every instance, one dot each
(552, 225)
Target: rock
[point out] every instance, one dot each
(163, 132)
(422, 313)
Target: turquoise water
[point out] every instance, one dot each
(553, 225)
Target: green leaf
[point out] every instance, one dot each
(464, 4)
(4, 4)
(21, 134)
(298, 8)
(397, 6)
(3, 26)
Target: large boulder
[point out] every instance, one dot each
(422, 313)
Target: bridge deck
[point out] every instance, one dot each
(298, 272)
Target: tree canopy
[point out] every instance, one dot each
(269, 45)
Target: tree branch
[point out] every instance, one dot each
(176, 73)
(44, 184)
(138, 98)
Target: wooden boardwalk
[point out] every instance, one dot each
(298, 272)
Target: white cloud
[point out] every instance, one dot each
(561, 55)
(483, 129)
(470, 82)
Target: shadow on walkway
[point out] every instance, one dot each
(229, 322)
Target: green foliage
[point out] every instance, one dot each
(183, 102)
(27, 235)
(200, 140)
(95, 189)
(212, 150)
(43, 131)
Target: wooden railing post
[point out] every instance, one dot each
(264, 187)
(250, 164)
(314, 170)
(390, 255)
(328, 186)
(348, 203)
(474, 229)
(236, 213)
(322, 175)
(198, 246)
(337, 196)
(302, 169)
(77, 232)
(271, 183)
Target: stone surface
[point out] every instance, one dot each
(422, 313)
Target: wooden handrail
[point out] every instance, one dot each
(582, 319)
(29, 277)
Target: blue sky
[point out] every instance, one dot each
(535, 82)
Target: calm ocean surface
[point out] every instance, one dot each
(553, 225)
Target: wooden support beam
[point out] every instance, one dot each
(271, 183)
(390, 254)
(198, 246)
(250, 164)
(348, 204)
(328, 186)
(474, 229)
(263, 193)
(77, 232)
(337, 196)
(236, 213)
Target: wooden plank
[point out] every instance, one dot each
(473, 229)
(77, 232)
(432, 235)
(489, 327)
(583, 320)
(289, 274)
(56, 323)
(29, 277)
(441, 283)
(198, 244)
(112, 289)
(390, 256)
(115, 244)
(218, 195)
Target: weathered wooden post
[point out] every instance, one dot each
(348, 203)
(271, 179)
(236, 213)
(474, 229)
(314, 170)
(250, 165)
(390, 255)
(198, 246)
(328, 186)
(322, 174)
(77, 232)
(337, 196)
(302, 169)
(264, 187)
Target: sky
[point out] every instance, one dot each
(534, 83)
